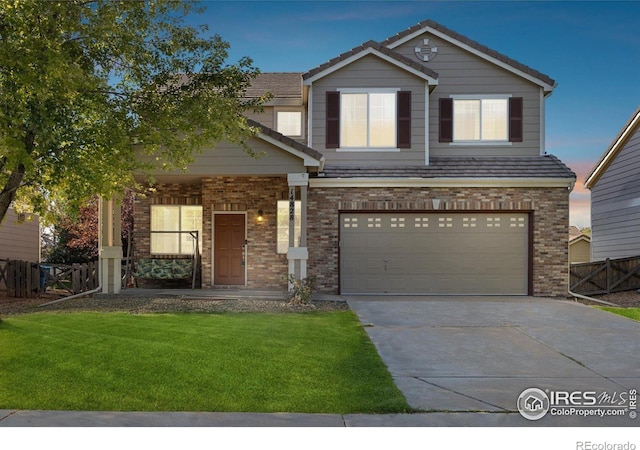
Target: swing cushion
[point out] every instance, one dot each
(164, 269)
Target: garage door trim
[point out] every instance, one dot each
(529, 236)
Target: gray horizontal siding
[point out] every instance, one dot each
(615, 205)
(371, 72)
(19, 240)
(461, 72)
(230, 159)
(268, 118)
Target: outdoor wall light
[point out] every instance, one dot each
(260, 215)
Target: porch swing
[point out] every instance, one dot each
(163, 267)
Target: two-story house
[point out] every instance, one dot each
(416, 165)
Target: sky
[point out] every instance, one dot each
(590, 48)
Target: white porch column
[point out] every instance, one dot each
(110, 245)
(298, 253)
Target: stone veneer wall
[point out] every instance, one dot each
(550, 208)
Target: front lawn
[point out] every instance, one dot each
(631, 313)
(319, 362)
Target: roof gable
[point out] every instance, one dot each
(311, 157)
(482, 51)
(370, 48)
(629, 129)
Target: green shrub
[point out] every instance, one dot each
(301, 290)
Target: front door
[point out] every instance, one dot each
(228, 251)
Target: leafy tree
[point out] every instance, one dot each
(75, 236)
(87, 86)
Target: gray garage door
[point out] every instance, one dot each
(402, 253)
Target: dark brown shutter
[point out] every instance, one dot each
(446, 120)
(515, 119)
(333, 120)
(404, 119)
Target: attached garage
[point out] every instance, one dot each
(434, 253)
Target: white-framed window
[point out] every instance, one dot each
(171, 218)
(481, 119)
(289, 123)
(283, 225)
(368, 119)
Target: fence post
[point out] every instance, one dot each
(11, 278)
(609, 280)
(75, 279)
(20, 279)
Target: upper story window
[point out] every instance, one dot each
(480, 119)
(289, 123)
(367, 119)
(374, 119)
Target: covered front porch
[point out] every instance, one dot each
(249, 215)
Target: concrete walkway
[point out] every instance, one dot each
(464, 354)
(10, 418)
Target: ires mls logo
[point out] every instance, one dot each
(533, 404)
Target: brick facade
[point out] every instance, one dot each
(549, 208)
(265, 268)
(243, 195)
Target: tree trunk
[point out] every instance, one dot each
(8, 193)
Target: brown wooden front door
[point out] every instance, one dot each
(229, 238)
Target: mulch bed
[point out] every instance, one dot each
(140, 305)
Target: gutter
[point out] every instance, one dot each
(71, 297)
(591, 299)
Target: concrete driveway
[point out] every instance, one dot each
(478, 354)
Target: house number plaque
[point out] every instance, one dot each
(292, 204)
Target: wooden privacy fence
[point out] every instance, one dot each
(20, 278)
(26, 279)
(605, 277)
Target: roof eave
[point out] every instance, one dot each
(433, 81)
(607, 158)
(308, 160)
(547, 86)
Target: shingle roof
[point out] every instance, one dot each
(280, 84)
(471, 43)
(547, 166)
(378, 47)
(285, 140)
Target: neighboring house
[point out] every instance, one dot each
(416, 165)
(579, 246)
(20, 237)
(615, 196)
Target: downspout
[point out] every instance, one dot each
(591, 299)
(71, 297)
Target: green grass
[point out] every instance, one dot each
(315, 363)
(631, 313)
